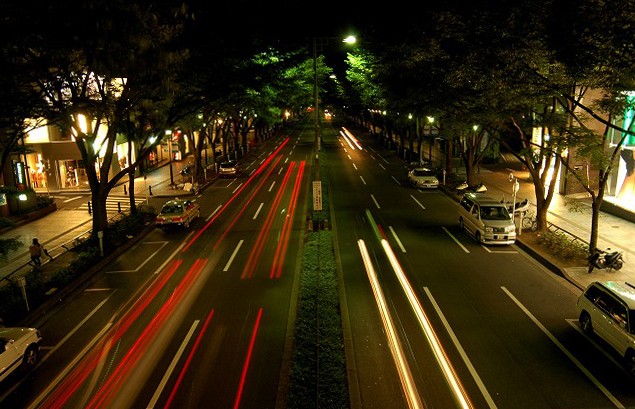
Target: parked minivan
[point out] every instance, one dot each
(607, 309)
(486, 219)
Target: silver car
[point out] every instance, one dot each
(607, 309)
(423, 178)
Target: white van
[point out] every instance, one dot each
(486, 219)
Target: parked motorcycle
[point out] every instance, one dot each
(519, 207)
(463, 187)
(605, 259)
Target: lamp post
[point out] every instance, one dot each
(316, 104)
(515, 188)
(169, 134)
(316, 99)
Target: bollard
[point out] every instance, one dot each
(150, 189)
(125, 191)
(119, 207)
(89, 209)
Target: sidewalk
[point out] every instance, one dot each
(65, 224)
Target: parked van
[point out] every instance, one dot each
(486, 219)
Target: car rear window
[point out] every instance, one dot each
(419, 172)
(172, 209)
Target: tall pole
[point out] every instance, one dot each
(170, 155)
(315, 96)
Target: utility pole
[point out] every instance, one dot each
(316, 104)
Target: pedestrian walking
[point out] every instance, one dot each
(36, 250)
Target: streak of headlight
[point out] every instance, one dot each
(410, 391)
(281, 249)
(250, 266)
(347, 140)
(175, 360)
(243, 375)
(79, 374)
(247, 183)
(111, 388)
(353, 138)
(374, 226)
(446, 367)
(189, 359)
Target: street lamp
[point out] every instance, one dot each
(348, 40)
(169, 135)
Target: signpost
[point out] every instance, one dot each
(22, 284)
(317, 195)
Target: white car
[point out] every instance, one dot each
(607, 309)
(19, 348)
(229, 168)
(423, 178)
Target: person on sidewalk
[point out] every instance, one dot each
(36, 250)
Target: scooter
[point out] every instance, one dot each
(463, 187)
(519, 207)
(611, 260)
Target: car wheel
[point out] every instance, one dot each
(585, 322)
(461, 225)
(477, 236)
(186, 224)
(30, 357)
(630, 362)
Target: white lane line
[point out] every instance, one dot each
(396, 181)
(258, 211)
(456, 240)
(252, 172)
(349, 157)
(498, 251)
(286, 160)
(72, 198)
(403, 249)
(231, 258)
(372, 157)
(459, 347)
(345, 149)
(418, 202)
(272, 185)
(381, 166)
(75, 329)
(51, 386)
(280, 171)
(237, 187)
(375, 200)
(140, 265)
(175, 360)
(362, 178)
(355, 166)
(214, 212)
(569, 355)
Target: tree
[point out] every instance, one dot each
(96, 72)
